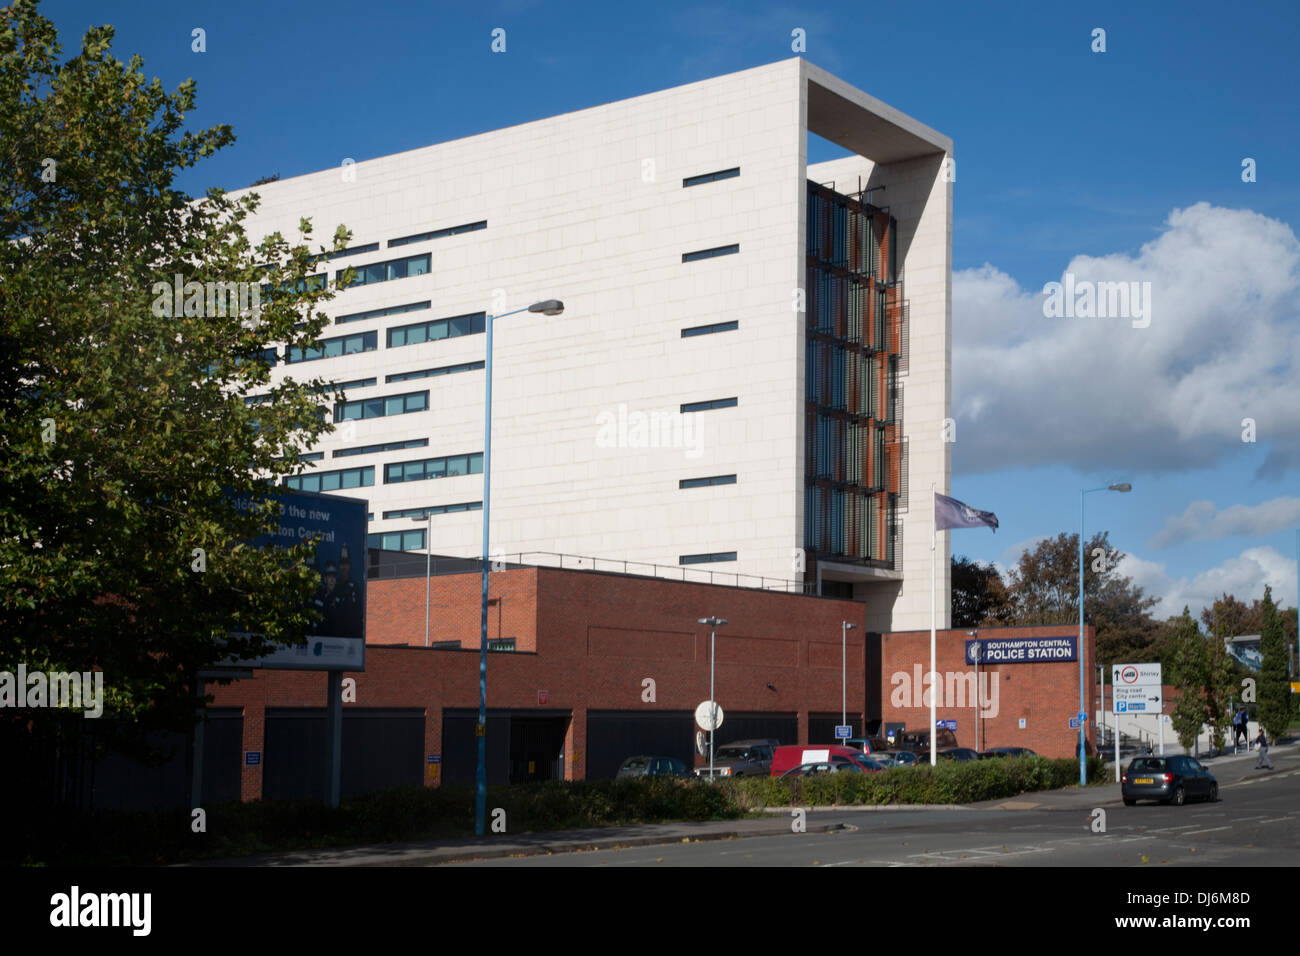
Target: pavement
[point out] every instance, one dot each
(775, 822)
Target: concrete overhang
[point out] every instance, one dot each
(851, 118)
(835, 571)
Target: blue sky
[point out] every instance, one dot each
(1123, 164)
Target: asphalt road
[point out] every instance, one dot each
(1255, 823)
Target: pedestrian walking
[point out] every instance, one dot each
(1239, 731)
(1263, 763)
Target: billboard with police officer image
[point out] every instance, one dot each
(338, 641)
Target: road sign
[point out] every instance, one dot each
(708, 715)
(1137, 689)
(1074, 723)
(946, 724)
(1082, 718)
(843, 731)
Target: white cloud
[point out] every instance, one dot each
(1201, 521)
(1243, 576)
(1223, 344)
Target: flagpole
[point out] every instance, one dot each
(934, 521)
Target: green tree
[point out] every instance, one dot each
(979, 595)
(1187, 673)
(1224, 620)
(124, 433)
(1274, 690)
(1044, 589)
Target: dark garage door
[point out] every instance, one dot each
(382, 748)
(782, 727)
(615, 735)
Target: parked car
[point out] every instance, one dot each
(898, 758)
(918, 741)
(1007, 752)
(868, 745)
(742, 758)
(961, 754)
(1173, 780)
(793, 755)
(653, 766)
(836, 763)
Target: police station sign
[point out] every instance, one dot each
(1022, 650)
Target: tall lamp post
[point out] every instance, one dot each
(714, 623)
(428, 562)
(845, 627)
(546, 307)
(1083, 755)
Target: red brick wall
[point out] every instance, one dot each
(1046, 695)
(591, 640)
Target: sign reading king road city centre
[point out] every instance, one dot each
(1137, 689)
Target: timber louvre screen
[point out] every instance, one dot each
(852, 400)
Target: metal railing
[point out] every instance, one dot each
(412, 564)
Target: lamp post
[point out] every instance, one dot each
(546, 307)
(977, 652)
(845, 627)
(428, 561)
(1083, 756)
(714, 623)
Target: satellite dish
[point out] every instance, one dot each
(709, 715)
(701, 743)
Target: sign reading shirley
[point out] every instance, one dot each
(1136, 689)
(1023, 650)
(339, 526)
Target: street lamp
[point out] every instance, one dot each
(545, 307)
(1083, 756)
(845, 627)
(977, 652)
(714, 623)
(428, 560)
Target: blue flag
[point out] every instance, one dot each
(951, 513)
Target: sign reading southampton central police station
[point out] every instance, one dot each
(1022, 650)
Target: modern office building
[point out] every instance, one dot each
(724, 393)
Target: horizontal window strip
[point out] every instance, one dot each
(420, 513)
(376, 272)
(381, 406)
(435, 329)
(380, 313)
(334, 347)
(430, 372)
(438, 233)
(332, 480)
(381, 446)
(344, 386)
(706, 482)
(312, 456)
(354, 251)
(711, 253)
(450, 466)
(708, 406)
(406, 540)
(707, 558)
(711, 177)
(710, 329)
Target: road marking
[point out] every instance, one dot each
(1276, 820)
(1211, 830)
(1190, 826)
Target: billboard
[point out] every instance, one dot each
(340, 524)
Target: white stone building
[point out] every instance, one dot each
(724, 391)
